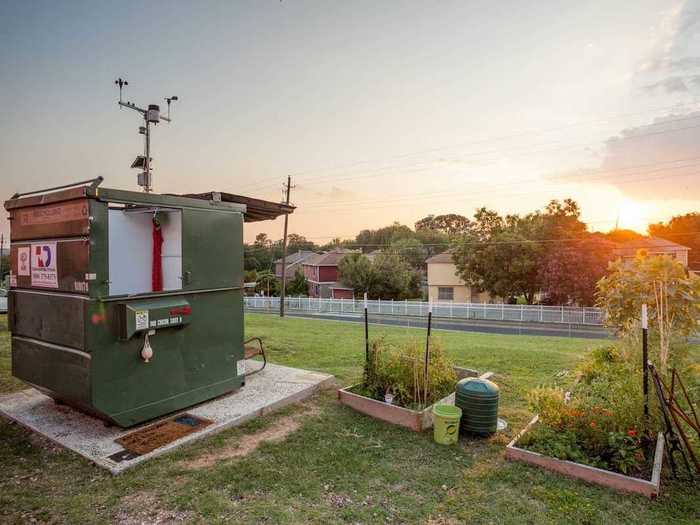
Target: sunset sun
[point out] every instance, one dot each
(632, 216)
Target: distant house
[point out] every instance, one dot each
(445, 284)
(652, 246)
(294, 262)
(321, 271)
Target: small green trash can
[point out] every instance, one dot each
(446, 424)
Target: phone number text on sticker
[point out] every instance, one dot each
(44, 268)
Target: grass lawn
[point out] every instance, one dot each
(323, 463)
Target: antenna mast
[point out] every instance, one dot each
(151, 115)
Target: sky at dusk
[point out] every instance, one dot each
(380, 111)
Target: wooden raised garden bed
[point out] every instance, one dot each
(606, 478)
(416, 420)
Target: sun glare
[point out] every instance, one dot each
(632, 216)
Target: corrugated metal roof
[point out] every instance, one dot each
(296, 257)
(327, 259)
(256, 209)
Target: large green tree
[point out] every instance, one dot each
(449, 224)
(410, 250)
(299, 285)
(387, 276)
(516, 256)
(369, 240)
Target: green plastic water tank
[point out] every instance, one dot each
(478, 399)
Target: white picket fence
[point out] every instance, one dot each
(477, 311)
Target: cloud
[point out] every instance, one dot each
(670, 85)
(334, 194)
(656, 161)
(674, 52)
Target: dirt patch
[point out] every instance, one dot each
(247, 443)
(143, 509)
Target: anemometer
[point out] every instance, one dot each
(151, 115)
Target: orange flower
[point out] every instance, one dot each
(632, 432)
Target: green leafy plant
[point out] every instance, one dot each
(601, 423)
(400, 371)
(626, 451)
(671, 293)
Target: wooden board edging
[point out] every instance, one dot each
(413, 419)
(605, 478)
(416, 420)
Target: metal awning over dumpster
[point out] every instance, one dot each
(256, 209)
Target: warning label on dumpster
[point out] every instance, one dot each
(43, 265)
(141, 319)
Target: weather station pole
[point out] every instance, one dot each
(151, 115)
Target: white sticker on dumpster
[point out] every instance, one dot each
(43, 265)
(240, 368)
(141, 319)
(23, 261)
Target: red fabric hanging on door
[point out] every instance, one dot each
(157, 263)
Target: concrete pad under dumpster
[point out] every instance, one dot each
(273, 388)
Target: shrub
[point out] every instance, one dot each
(400, 370)
(602, 422)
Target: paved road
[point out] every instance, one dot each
(464, 325)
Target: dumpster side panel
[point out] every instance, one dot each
(61, 372)
(54, 318)
(190, 363)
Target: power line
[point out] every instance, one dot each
(582, 240)
(500, 150)
(528, 151)
(602, 175)
(374, 205)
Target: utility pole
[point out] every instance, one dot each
(283, 291)
(2, 252)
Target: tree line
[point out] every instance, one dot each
(547, 256)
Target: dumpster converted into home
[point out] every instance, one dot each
(128, 305)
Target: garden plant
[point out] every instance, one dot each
(601, 422)
(399, 371)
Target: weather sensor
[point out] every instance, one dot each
(151, 115)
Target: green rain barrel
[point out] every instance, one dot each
(478, 399)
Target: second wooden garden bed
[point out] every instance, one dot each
(649, 488)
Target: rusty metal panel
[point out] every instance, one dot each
(71, 265)
(51, 317)
(48, 221)
(48, 198)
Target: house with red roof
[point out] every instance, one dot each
(321, 271)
